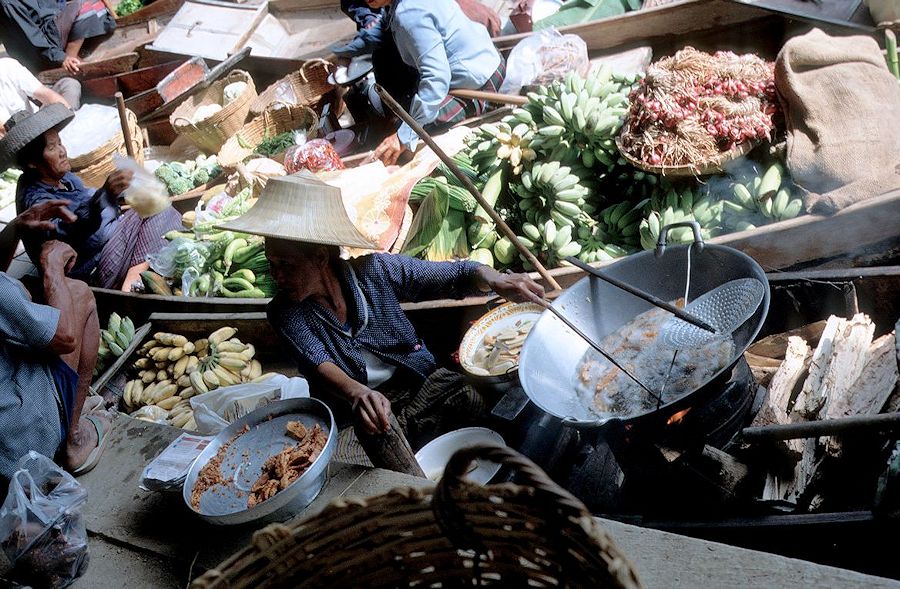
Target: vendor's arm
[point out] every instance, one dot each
(36, 219)
(46, 96)
(57, 259)
(372, 407)
(419, 280)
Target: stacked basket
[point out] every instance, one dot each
(308, 86)
(277, 119)
(93, 167)
(459, 535)
(211, 133)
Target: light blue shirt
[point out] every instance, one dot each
(448, 49)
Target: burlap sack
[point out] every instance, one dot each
(840, 104)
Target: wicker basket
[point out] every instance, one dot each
(308, 86)
(458, 535)
(280, 118)
(211, 133)
(96, 165)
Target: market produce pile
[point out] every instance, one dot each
(126, 7)
(171, 369)
(553, 171)
(8, 181)
(207, 262)
(181, 177)
(114, 340)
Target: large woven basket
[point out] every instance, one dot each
(96, 165)
(277, 119)
(458, 535)
(211, 133)
(308, 86)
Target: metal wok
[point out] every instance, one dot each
(551, 356)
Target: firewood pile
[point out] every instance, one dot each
(825, 372)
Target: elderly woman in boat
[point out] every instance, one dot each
(343, 321)
(107, 242)
(449, 51)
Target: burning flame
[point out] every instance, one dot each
(676, 418)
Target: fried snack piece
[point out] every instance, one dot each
(282, 469)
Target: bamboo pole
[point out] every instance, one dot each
(123, 121)
(494, 97)
(497, 219)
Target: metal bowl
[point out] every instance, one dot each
(227, 504)
(490, 323)
(434, 455)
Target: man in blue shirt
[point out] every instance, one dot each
(448, 50)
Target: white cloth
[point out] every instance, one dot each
(378, 371)
(17, 85)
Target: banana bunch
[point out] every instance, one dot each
(656, 220)
(767, 195)
(549, 241)
(114, 340)
(550, 191)
(494, 144)
(620, 225)
(171, 369)
(594, 249)
(581, 113)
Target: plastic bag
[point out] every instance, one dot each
(180, 254)
(42, 533)
(317, 155)
(541, 58)
(215, 410)
(145, 194)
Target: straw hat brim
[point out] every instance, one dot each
(52, 116)
(300, 208)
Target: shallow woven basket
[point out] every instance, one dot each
(309, 86)
(711, 166)
(96, 165)
(458, 535)
(211, 133)
(280, 118)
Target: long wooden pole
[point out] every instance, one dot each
(494, 97)
(497, 219)
(825, 427)
(123, 120)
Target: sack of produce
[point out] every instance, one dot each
(541, 58)
(42, 533)
(317, 155)
(839, 99)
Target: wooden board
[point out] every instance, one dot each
(129, 82)
(210, 31)
(92, 69)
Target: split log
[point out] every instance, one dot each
(836, 364)
(762, 368)
(774, 346)
(781, 390)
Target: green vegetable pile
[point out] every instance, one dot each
(8, 182)
(272, 145)
(181, 177)
(126, 7)
(553, 172)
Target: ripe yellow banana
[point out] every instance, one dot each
(200, 346)
(230, 347)
(255, 369)
(161, 375)
(180, 367)
(191, 425)
(187, 393)
(264, 377)
(225, 377)
(198, 383)
(210, 378)
(249, 352)
(193, 364)
(178, 341)
(142, 363)
(176, 354)
(162, 354)
(221, 335)
(163, 393)
(148, 376)
(235, 363)
(126, 395)
(188, 348)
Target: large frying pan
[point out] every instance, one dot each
(552, 353)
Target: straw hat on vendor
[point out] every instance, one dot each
(343, 322)
(107, 242)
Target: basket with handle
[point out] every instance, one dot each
(278, 118)
(308, 86)
(211, 133)
(96, 165)
(458, 534)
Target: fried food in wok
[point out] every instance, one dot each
(287, 466)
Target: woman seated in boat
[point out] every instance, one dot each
(44, 34)
(107, 242)
(449, 51)
(343, 321)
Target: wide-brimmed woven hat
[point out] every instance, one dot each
(23, 127)
(301, 207)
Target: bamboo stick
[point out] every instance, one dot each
(490, 96)
(497, 219)
(825, 427)
(890, 42)
(123, 121)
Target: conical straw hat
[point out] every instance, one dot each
(300, 207)
(23, 127)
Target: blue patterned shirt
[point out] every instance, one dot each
(373, 286)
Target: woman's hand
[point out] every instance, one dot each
(40, 216)
(72, 64)
(57, 257)
(518, 288)
(373, 409)
(118, 181)
(389, 150)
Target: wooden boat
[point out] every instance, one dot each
(128, 83)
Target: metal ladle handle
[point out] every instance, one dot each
(664, 236)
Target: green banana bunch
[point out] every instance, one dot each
(550, 242)
(620, 224)
(594, 249)
(114, 340)
(656, 220)
(583, 114)
(496, 144)
(550, 191)
(768, 195)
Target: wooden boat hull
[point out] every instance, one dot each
(129, 83)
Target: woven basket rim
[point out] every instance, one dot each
(300, 80)
(273, 120)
